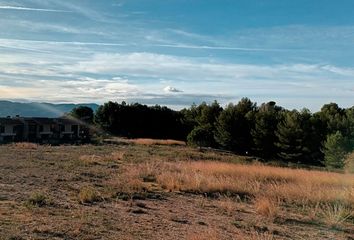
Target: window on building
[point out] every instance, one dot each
(75, 128)
(32, 128)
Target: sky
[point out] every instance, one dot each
(178, 52)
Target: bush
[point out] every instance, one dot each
(202, 136)
(335, 214)
(37, 200)
(88, 195)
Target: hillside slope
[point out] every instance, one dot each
(32, 109)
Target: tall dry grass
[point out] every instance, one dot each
(149, 141)
(268, 187)
(25, 145)
(349, 163)
(266, 207)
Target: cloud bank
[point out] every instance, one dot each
(109, 50)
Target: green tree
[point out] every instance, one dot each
(313, 129)
(202, 136)
(291, 137)
(203, 119)
(233, 127)
(83, 113)
(334, 118)
(208, 114)
(265, 124)
(335, 150)
(350, 127)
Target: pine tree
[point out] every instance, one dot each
(291, 137)
(335, 150)
(233, 128)
(263, 133)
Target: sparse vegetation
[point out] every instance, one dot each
(132, 189)
(335, 214)
(254, 235)
(266, 207)
(88, 195)
(210, 234)
(37, 200)
(148, 141)
(25, 145)
(97, 159)
(228, 204)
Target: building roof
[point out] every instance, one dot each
(67, 121)
(42, 121)
(39, 121)
(10, 121)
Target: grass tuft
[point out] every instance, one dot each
(266, 207)
(37, 200)
(88, 195)
(335, 214)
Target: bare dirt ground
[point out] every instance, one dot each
(58, 174)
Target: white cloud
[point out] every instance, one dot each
(82, 90)
(189, 46)
(170, 89)
(157, 66)
(77, 71)
(31, 9)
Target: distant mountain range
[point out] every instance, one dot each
(32, 109)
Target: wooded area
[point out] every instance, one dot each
(267, 131)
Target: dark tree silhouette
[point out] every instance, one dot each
(268, 131)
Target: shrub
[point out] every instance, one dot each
(88, 195)
(202, 136)
(37, 200)
(335, 214)
(266, 207)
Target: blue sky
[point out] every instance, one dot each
(176, 52)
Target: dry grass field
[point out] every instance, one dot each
(145, 189)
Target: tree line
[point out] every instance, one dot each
(267, 131)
